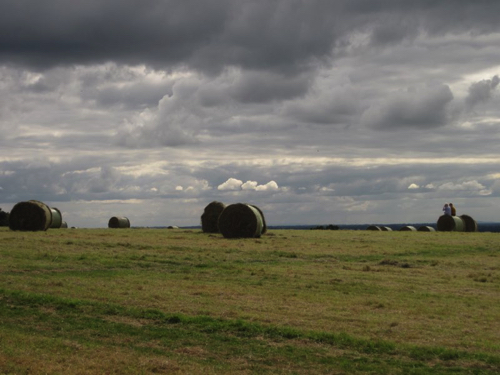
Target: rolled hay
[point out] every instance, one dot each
(264, 225)
(56, 218)
(426, 228)
(210, 217)
(470, 223)
(373, 227)
(64, 224)
(30, 216)
(408, 228)
(240, 220)
(447, 223)
(119, 222)
(386, 229)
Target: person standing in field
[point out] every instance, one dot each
(453, 210)
(447, 209)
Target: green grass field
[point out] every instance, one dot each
(141, 301)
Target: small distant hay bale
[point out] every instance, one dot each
(470, 223)
(408, 228)
(119, 222)
(56, 218)
(210, 217)
(172, 227)
(30, 216)
(386, 229)
(241, 220)
(374, 227)
(426, 228)
(64, 224)
(447, 223)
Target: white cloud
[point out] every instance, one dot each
(249, 185)
(270, 186)
(413, 186)
(235, 184)
(472, 186)
(231, 184)
(179, 188)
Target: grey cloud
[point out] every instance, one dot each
(336, 106)
(165, 34)
(481, 92)
(422, 109)
(173, 123)
(258, 87)
(281, 35)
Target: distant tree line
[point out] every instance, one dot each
(4, 218)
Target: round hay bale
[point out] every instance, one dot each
(172, 227)
(264, 225)
(119, 222)
(210, 217)
(56, 218)
(64, 224)
(386, 229)
(373, 227)
(447, 223)
(408, 228)
(426, 228)
(240, 220)
(30, 216)
(470, 223)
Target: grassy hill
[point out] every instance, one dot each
(122, 301)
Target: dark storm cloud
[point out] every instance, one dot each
(202, 35)
(284, 35)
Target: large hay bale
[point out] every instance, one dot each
(264, 225)
(408, 228)
(64, 224)
(374, 227)
(119, 222)
(240, 220)
(386, 229)
(56, 218)
(210, 217)
(426, 228)
(447, 223)
(470, 223)
(30, 216)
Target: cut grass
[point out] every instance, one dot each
(290, 302)
(69, 325)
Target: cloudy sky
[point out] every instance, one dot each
(317, 111)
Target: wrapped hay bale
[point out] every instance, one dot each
(264, 225)
(30, 216)
(426, 228)
(64, 224)
(56, 218)
(210, 217)
(386, 229)
(447, 223)
(470, 223)
(408, 228)
(373, 227)
(241, 220)
(118, 222)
